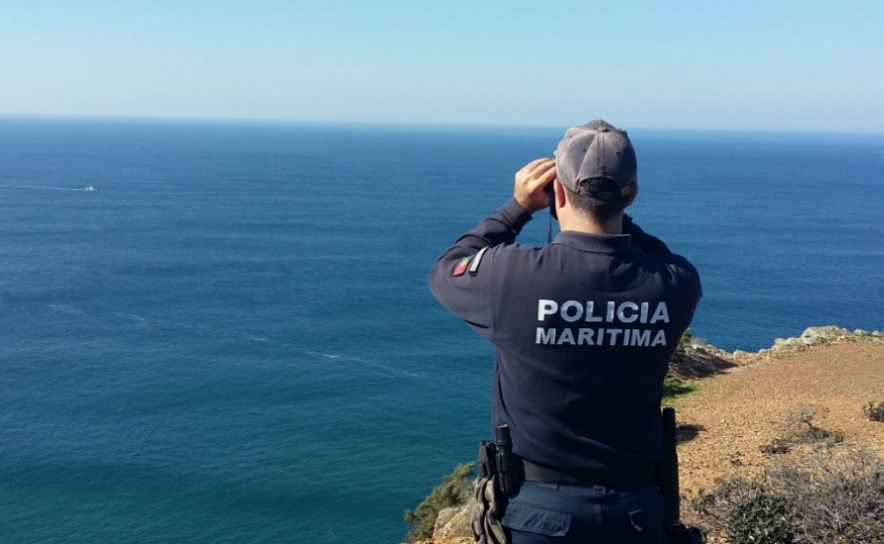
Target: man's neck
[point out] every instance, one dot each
(587, 226)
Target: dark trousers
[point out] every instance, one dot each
(568, 514)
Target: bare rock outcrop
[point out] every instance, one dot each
(454, 523)
(811, 337)
(702, 359)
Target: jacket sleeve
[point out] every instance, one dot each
(642, 240)
(462, 278)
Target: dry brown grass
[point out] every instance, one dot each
(749, 408)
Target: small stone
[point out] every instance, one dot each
(739, 355)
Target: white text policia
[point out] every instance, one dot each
(627, 312)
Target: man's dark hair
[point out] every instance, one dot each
(598, 210)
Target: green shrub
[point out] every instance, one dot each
(799, 424)
(681, 350)
(455, 490)
(749, 512)
(816, 435)
(837, 498)
(778, 445)
(864, 336)
(833, 498)
(763, 518)
(673, 387)
(715, 504)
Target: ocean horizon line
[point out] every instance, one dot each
(418, 126)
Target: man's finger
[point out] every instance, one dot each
(548, 176)
(543, 174)
(528, 168)
(547, 167)
(541, 164)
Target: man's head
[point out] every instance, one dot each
(596, 165)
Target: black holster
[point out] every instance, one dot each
(499, 471)
(666, 477)
(496, 460)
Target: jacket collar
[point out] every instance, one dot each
(598, 243)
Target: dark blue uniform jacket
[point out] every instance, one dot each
(584, 328)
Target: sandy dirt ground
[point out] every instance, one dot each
(727, 420)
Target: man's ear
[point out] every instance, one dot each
(632, 195)
(559, 192)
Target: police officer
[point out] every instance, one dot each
(584, 328)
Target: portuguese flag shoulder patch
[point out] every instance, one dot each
(462, 266)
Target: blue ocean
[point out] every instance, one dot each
(230, 339)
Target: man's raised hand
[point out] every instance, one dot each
(531, 181)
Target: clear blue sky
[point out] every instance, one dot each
(710, 64)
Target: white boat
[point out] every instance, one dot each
(89, 188)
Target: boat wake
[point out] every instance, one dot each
(87, 189)
(342, 359)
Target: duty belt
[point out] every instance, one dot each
(537, 473)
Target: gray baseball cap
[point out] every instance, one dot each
(596, 150)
